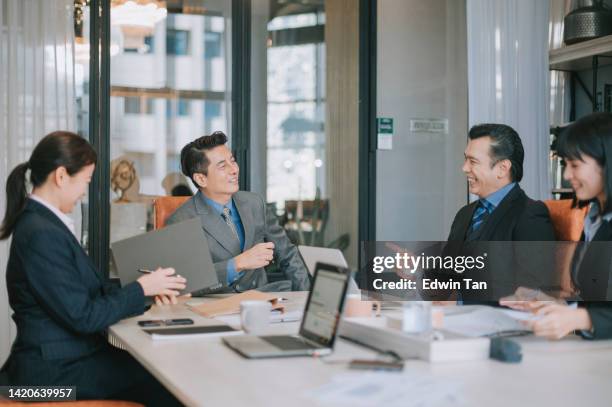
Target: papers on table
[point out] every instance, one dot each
(520, 315)
(478, 321)
(231, 305)
(389, 390)
(275, 317)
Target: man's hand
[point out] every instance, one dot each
(256, 257)
(402, 273)
(559, 320)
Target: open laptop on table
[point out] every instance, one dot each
(311, 255)
(319, 324)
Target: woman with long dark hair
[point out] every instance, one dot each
(62, 305)
(586, 147)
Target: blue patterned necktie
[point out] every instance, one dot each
(483, 210)
(227, 217)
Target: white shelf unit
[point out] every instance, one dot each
(579, 57)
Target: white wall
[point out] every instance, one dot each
(421, 73)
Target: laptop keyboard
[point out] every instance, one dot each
(287, 342)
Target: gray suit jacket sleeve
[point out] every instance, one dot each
(189, 212)
(286, 253)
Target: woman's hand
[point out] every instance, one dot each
(558, 320)
(527, 299)
(161, 300)
(162, 282)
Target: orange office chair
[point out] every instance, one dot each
(165, 206)
(567, 223)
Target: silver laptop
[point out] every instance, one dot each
(312, 255)
(182, 246)
(319, 324)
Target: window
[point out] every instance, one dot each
(138, 105)
(183, 107)
(146, 47)
(213, 116)
(294, 21)
(212, 44)
(212, 110)
(177, 42)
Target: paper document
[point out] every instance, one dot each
(388, 390)
(486, 321)
(520, 315)
(231, 305)
(275, 317)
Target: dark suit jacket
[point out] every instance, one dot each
(62, 305)
(592, 279)
(517, 218)
(259, 227)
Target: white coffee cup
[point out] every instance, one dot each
(255, 316)
(416, 316)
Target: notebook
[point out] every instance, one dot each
(191, 332)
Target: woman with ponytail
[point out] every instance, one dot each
(62, 305)
(16, 196)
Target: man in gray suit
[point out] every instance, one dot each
(243, 238)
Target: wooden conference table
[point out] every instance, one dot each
(204, 372)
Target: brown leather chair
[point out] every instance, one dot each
(165, 206)
(567, 221)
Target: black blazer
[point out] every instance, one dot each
(517, 218)
(592, 281)
(62, 305)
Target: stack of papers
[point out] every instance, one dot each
(231, 305)
(486, 321)
(275, 317)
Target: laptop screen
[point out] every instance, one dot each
(324, 306)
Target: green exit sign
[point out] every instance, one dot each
(385, 125)
(384, 130)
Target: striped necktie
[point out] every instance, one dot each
(226, 215)
(483, 210)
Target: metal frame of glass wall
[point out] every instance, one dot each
(99, 121)
(367, 121)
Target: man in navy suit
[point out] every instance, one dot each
(503, 212)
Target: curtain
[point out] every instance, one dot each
(508, 78)
(36, 97)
